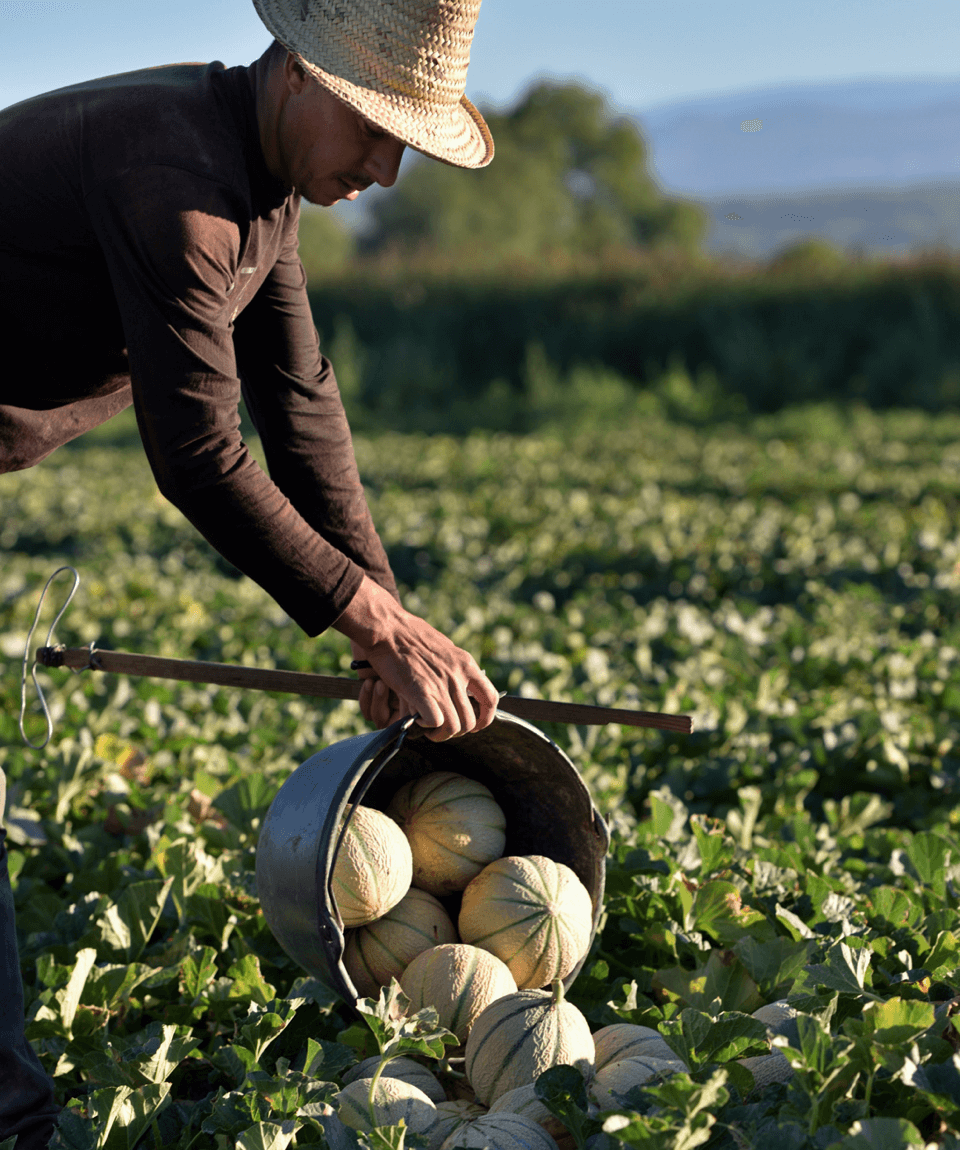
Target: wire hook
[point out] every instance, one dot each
(26, 656)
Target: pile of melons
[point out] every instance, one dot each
(524, 923)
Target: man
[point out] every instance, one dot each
(148, 256)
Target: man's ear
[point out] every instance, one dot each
(294, 74)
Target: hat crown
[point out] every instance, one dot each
(403, 63)
(416, 48)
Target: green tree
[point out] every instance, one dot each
(568, 177)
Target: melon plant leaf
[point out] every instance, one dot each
(69, 997)
(881, 1134)
(268, 1136)
(721, 977)
(718, 911)
(564, 1093)
(326, 1060)
(898, 1021)
(845, 970)
(247, 982)
(930, 855)
(772, 963)
(938, 1082)
(247, 799)
(697, 1039)
(127, 924)
(944, 956)
(398, 1032)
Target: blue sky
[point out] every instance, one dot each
(641, 53)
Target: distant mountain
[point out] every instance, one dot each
(870, 165)
(876, 133)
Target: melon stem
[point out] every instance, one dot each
(557, 988)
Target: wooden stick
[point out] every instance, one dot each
(332, 686)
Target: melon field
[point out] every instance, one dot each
(790, 581)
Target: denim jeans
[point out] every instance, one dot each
(27, 1104)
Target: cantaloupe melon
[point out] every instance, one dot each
(403, 1069)
(460, 981)
(451, 1117)
(531, 912)
(524, 1101)
(373, 868)
(385, 948)
(520, 1036)
(611, 1084)
(767, 1068)
(391, 1100)
(454, 827)
(501, 1132)
(626, 1040)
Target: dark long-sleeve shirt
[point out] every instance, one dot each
(147, 255)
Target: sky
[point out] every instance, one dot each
(641, 53)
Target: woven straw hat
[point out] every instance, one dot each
(402, 64)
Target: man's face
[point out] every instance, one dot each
(327, 151)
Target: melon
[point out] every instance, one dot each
(391, 1099)
(459, 981)
(520, 1036)
(451, 1117)
(767, 1068)
(454, 827)
(611, 1084)
(524, 1101)
(403, 1069)
(501, 1132)
(531, 912)
(626, 1040)
(374, 867)
(383, 949)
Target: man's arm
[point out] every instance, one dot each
(172, 244)
(292, 396)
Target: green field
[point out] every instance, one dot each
(790, 581)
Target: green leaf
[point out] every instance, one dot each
(697, 1039)
(944, 956)
(564, 1093)
(716, 847)
(773, 962)
(189, 865)
(127, 924)
(396, 1031)
(881, 1134)
(930, 855)
(327, 1060)
(110, 985)
(898, 1021)
(845, 970)
(262, 1025)
(249, 983)
(69, 997)
(723, 976)
(268, 1135)
(246, 802)
(197, 971)
(718, 911)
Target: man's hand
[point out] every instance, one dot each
(414, 669)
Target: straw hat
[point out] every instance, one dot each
(400, 63)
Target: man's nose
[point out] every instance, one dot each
(383, 162)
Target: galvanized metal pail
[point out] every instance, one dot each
(547, 805)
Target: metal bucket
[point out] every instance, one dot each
(548, 808)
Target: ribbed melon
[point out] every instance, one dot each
(520, 1036)
(403, 1069)
(374, 867)
(391, 1100)
(451, 1117)
(524, 1101)
(611, 1084)
(385, 948)
(768, 1068)
(460, 981)
(625, 1040)
(531, 912)
(501, 1132)
(454, 827)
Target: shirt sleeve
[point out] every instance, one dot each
(172, 244)
(291, 393)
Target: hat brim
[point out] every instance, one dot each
(459, 137)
